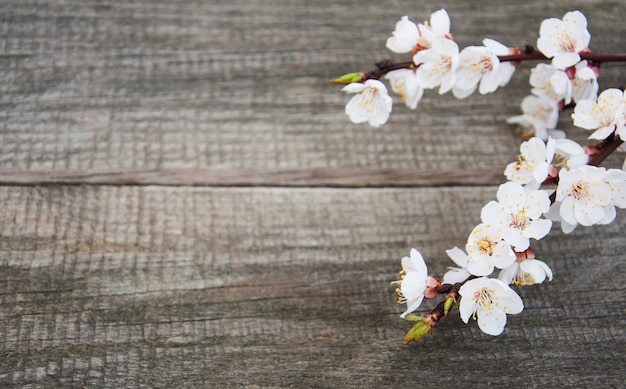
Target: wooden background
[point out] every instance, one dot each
(183, 202)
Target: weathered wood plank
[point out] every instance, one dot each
(337, 177)
(242, 86)
(133, 285)
(161, 287)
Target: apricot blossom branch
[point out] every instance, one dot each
(554, 180)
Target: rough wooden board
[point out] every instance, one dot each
(323, 177)
(118, 286)
(105, 286)
(241, 86)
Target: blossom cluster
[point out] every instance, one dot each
(436, 63)
(553, 180)
(584, 195)
(568, 79)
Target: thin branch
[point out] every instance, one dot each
(529, 54)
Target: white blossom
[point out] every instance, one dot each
(550, 82)
(569, 154)
(439, 27)
(488, 300)
(616, 179)
(563, 40)
(404, 82)
(584, 196)
(526, 271)
(404, 37)
(605, 116)
(412, 282)
(533, 164)
(538, 113)
(486, 249)
(456, 274)
(585, 82)
(438, 65)
(371, 103)
(478, 64)
(480, 67)
(506, 69)
(519, 214)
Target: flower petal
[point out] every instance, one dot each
(404, 37)
(538, 229)
(466, 308)
(566, 211)
(491, 321)
(440, 22)
(494, 213)
(536, 272)
(458, 256)
(503, 255)
(455, 275)
(417, 262)
(481, 266)
(507, 275)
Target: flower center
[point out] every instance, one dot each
(580, 190)
(519, 220)
(560, 161)
(523, 279)
(483, 66)
(567, 42)
(603, 115)
(443, 65)
(400, 88)
(369, 96)
(523, 164)
(486, 246)
(483, 296)
(484, 299)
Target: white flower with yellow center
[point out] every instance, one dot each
(438, 27)
(569, 154)
(438, 65)
(540, 114)
(585, 82)
(480, 67)
(412, 281)
(519, 214)
(486, 249)
(550, 82)
(489, 301)
(605, 116)
(533, 164)
(526, 270)
(371, 103)
(563, 40)
(583, 195)
(404, 82)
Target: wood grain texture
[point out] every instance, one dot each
(242, 86)
(183, 202)
(320, 177)
(151, 286)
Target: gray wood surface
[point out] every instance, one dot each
(183, 202)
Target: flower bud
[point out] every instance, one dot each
(447, 306)
(419, 330)
(349, 78)
(432, 288)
